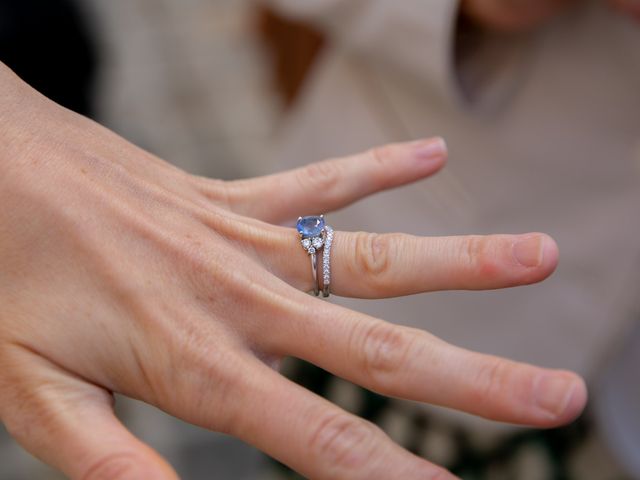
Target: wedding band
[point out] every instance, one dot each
(326, 261)
(312, 237)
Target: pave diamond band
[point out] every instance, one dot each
(326, 261)
(316, 238)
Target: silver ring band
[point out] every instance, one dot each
(326, 261)
(314, 273)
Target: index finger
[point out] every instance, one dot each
(332, 184)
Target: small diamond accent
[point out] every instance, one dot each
(311, 250)
(306, 242)
(317, 242)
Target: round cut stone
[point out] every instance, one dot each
(317, 242)
(306, 242)
(310, 226)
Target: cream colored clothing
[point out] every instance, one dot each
(544, 135)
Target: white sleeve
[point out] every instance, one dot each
(413, 36)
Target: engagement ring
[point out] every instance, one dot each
(317, 236)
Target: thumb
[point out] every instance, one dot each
(70, 424)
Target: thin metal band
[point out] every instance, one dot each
(326, 261)
(314, 272)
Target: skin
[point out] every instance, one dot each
(629, 7)
(121, 273)
(512, 16)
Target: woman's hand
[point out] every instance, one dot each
(121, 273)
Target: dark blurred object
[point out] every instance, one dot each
(294, 47)
(49, 45)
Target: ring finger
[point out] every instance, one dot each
(366, 265)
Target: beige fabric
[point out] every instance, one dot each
(408, 37)
(543, 137)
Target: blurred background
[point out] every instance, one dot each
(237, 88)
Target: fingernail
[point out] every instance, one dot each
(434, 148)
(553, 393)
(528, 251)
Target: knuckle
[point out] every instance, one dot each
(32, 408)
(492, 379)
(381, 156)
(324, 176)
(209, 380)
(19, 426)
(382, 165)
(477, 255)
(373, 253)
(191, 254)
(385, 349)
(116, 466)
(226, 194)
(473, 250)
(344, 442)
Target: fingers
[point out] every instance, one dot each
(332, 184)
(70, 424)
(369, 265)
(318, 439)
(408, 363)
(630, 7)
(238, 394)
(512, 16)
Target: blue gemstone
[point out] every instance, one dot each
(310, 226)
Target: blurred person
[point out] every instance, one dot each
(540, 103)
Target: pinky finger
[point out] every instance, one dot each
(318, 439)
(70, 424)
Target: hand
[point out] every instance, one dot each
(512, 15)
(121, 273)
(523, 15)
(629, 7)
